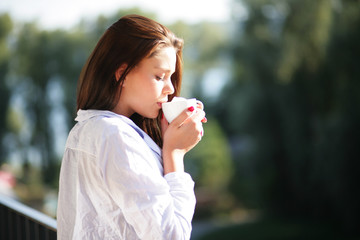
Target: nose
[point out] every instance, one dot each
(169, 87)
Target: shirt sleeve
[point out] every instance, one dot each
(156, 206)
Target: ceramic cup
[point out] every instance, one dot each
(178, 104)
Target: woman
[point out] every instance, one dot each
(122, 174)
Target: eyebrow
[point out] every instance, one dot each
(164, 69)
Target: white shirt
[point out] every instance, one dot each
(112, 184)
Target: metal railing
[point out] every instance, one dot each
(18, 221)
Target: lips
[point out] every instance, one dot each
(161, 102)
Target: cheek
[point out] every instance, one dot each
(147, 87)
(155, 88)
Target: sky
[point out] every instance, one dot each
(52, 14)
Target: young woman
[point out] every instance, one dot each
(122, 174)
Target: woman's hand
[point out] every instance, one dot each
(181, 136)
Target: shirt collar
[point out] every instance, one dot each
(83, 115)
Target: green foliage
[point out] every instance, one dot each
(210, 165)
(292, 109)
(6, 26)
(279, 230)
(305, 37)
(211, 155)
(204, 49)
(5, 30)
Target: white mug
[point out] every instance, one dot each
(178, 104)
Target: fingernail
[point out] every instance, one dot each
(191, 109)
(204, 120)
(162, 116)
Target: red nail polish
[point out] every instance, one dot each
(191, 109)
(204, 120)
(162, 115)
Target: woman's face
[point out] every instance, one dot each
(148, 85)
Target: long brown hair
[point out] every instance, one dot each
(128, 41)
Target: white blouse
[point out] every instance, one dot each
(112, 184)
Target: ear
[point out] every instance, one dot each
(120, 71)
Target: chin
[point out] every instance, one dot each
(155, 116)
(151, 115)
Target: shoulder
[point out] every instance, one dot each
(105, 123)
(110, 124)
(96, 127)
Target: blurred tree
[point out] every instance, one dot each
(43, 64)
(292, 112)
(5, 30)
(210, 164)
(204, 45)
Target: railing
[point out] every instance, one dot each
(18, 221)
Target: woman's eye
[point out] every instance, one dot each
(158, 78)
